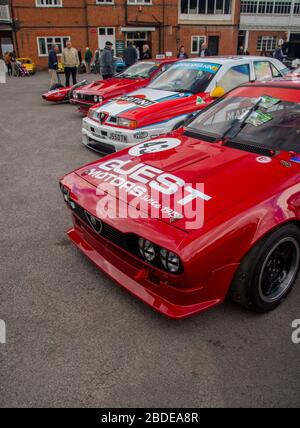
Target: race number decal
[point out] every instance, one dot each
(154, 146)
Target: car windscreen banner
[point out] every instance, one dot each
(201, 66)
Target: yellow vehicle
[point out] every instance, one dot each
(28, 64)
(61, 68)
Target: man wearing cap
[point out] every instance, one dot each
(107, 61)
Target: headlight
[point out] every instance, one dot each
(127, 123)
(170, 260)
(147, 249)
(67, 198)
(96, 99)
(75, 95)
(93, 114)
(160, 257)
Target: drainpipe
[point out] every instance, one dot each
(14, 29)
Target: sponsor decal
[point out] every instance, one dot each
(139, 100)
(140, 135)
(263, 159)
(147, 192)
(200, 101)
(295, 159)
(154, 146)
(201, 66)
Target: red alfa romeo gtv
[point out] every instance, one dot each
(208, 211)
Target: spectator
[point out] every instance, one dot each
(107, 61)
(241, 51)
(278, 53)
(182, 54)
(70, 60)
(88, 59)
(53, 65)
(97, 61)
(7, 60)
(204, 51)
(79, 56)
(13, 60)
(130, 55)
(138, 55)
(146, 54)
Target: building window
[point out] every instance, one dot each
(297, 8)
(144, 2)
(196, 43)
(45, 44)
(205, 7)
(266, 7)
(266, 43)
(48, 3)
(104, 1)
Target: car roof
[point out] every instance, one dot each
(25, 58)
(287, 83)
(161, 61)
(226, 59)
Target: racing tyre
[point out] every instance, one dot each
(268, 272)
(56, 86)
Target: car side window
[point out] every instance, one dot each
(235, 76)
(262, 70)
(275, 72)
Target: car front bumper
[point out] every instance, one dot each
(96, 136)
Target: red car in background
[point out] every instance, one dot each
(210, 210)
(134, 77)
(62, 93)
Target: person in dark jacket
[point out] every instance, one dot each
(204, 51)
(182, 54)
(53, 65)
(88, 59)
(146, 54)
(107, 61)
(278, 54)
(130, 55)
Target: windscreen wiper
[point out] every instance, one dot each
(237, 125)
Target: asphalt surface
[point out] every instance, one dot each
(74, 337)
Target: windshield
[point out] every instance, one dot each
(140, 69)
(186, 76)
(25, 61)
(264, 121)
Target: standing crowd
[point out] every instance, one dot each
(103, 62)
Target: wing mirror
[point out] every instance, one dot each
(218, 92)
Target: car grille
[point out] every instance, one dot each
(126, 241)
(250, 148)
(106, 149)
(85, 97)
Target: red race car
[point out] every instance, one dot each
(210, 210)
(134, 77)
(62, 93)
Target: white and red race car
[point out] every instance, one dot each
(170, 99)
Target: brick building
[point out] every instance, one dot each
(163, 24)
(263, 24)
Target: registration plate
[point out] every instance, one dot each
(118, 137)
